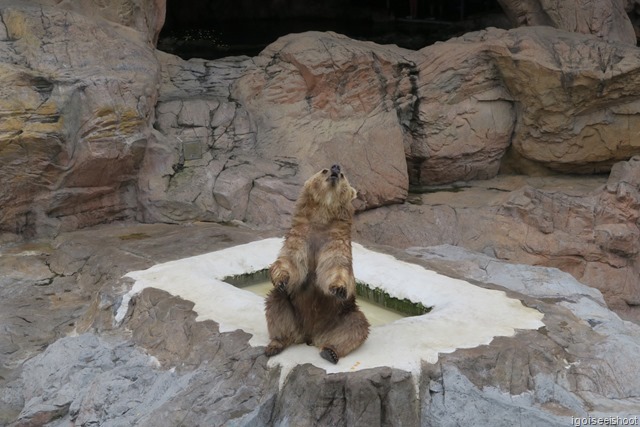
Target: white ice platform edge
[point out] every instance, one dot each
(463, 316)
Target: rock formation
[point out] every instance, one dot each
(161, 367)
(97, 126)
(606, 19)
(588, 227)
(317, 97)
(145, 16)
(537, 90)
(137, 133)
(77, 102)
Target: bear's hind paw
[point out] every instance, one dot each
(329, 354)
(274, 347)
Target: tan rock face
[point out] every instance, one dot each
(538, 89)
(465, 115)
(560, 82)
(321, 99)
(446, 113)
(606, 19)
(234, 139)
(587, 227)
(146, 16)
(72, 126)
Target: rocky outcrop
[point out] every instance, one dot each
(586, 227)
(227, 126)
(487, 91)
(146, 16)
(606, 19)
(454, 111)
(322, 98)
(474, 386)
(133, 133)
(161, 367)
(73, 126)
(600, 231)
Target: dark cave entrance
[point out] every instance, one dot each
(211, 29)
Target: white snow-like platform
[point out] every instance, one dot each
(463, 315)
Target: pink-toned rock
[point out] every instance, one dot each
(322, 98)
(559, 81)
(606, 19)
(465, 115)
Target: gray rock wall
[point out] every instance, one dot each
(161, 367)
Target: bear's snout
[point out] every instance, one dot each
(335, 170)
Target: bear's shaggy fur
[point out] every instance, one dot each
(313, 300)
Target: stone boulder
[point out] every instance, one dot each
(464, 116)
(162, 367)
(587, 227)
(322, 98)
(145, 16)
(538, 91)
(73, 125)
(606, 19)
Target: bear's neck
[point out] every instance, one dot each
(320, 216)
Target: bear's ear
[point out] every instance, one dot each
(354, 193)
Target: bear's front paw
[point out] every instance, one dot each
(338, 291)
(279, 277)
(281, 287)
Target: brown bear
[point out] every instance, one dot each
(314, 295)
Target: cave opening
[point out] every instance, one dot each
(212, 29)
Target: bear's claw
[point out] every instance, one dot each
(339, 292)
(329, 354)
(281, 286)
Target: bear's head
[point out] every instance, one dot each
(328, 195)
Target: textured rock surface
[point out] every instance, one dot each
(606, 19)
(146, 16)
(322, 98)
(162, 368)
(538, 90)
(73, 126)
(446, 113)
(233, 139)
(255, 144)
(199, 162)
(586, 227)
(509, 381)
(464, 116)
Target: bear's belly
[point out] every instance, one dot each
(317, 312)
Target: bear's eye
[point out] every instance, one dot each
(341, 175)
(325, 171)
